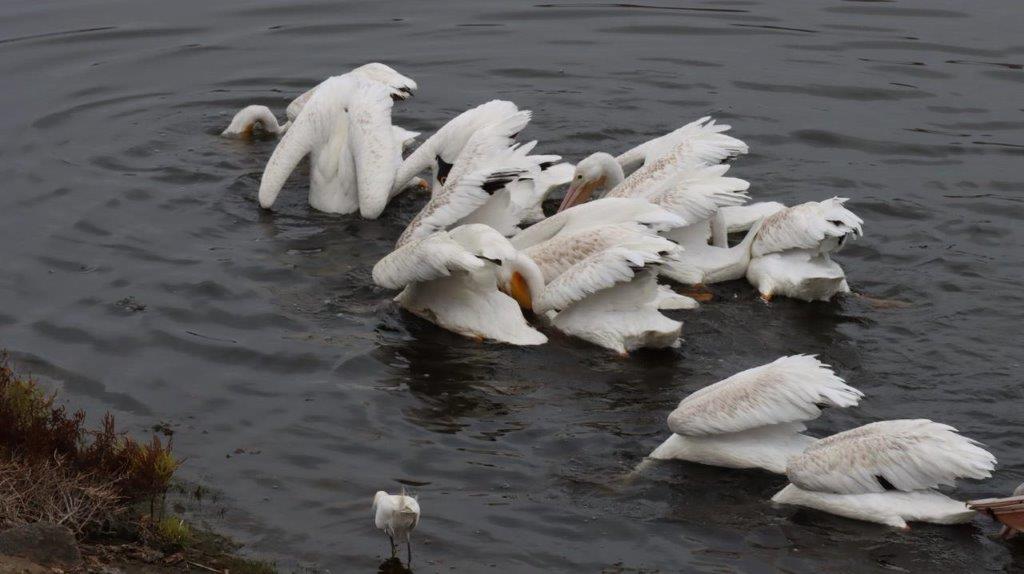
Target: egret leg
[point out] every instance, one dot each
(408, 552)
(394, 547)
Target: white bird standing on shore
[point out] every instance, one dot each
(397, 515)
(887, 472)
(793, 248)
(755, 418)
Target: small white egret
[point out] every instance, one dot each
(397, 515)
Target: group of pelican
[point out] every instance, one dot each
(481, 258)
(887, 472)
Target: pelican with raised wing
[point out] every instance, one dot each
(755, 418)
(887, 472)
(491, 182)
(792, 252)
(439, 152)
(699, 143)
(696, 194)
(259, 119)
(469, 280)
(345, 128)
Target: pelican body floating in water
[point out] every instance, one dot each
(397, 515)
(469, 280)
(887, 472)
(792, 253)
(755, 418)
(601, 286)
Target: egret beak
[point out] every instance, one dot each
(579, 193)
(520, 291)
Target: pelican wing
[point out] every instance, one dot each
(604, 211)
(487, 163)
(805, 226)
(318, 121)
(431, 257)
(483, 241)
(561, 252)
(697, 193)
(448, 141)
(374, 147)
(743, 217)
(487, 143)
(459, 200)
(296, 105)
(602, 269)
(788, 390)
(702, 142)
(900, 454)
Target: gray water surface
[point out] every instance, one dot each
(296, 388)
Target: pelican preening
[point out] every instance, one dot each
(483, 260)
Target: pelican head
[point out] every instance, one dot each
(401, 86)
(843, 224)
(521, 279)
(597, 172)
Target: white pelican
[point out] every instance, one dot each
(739, 218)
(440, 150)
(487, 183)
(455, 279)
(620, 213)
(887, 472)
(255, 118)
(608, 211)
(397, 515)
(696, 193)
(698, 143)
(792, 251)
(345, 128)
(601, 286)
(1009, 511)
(755, 418)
